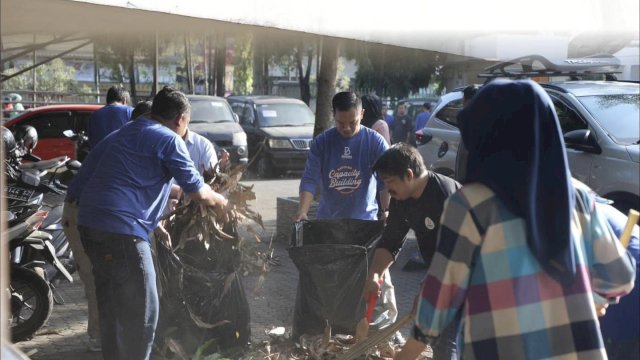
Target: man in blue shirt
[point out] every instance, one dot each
(340, 162)
(385, 113)
(111, 117)
(421, 119)
(119, 205)
(402, 127)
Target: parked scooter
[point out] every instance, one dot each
(33, 183)
(31, 295)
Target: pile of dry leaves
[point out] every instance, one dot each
(317, 348)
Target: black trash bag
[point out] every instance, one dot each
(332, 257)
(203, 297)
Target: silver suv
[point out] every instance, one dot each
(601, 127)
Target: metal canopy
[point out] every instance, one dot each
(443, 26)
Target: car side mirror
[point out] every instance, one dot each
(423, 137)
(582, 140)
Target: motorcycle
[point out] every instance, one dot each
(31, 295)
(38, 182)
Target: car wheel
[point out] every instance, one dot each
(264, 169)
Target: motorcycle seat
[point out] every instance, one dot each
(45, 164)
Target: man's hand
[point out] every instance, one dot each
(300, 217)
(383, 216)
(306, 198)
(372, 286)
(223, 211)
(163, 237)
(224, 159)
(601, 309)
(208, 197)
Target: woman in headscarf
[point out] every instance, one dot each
(372, 118)
(522, 251)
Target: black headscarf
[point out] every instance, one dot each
(516, 149)
(372, 106)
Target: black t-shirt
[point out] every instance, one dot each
(400, 128)
(422, 215)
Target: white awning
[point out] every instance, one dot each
(443, 26)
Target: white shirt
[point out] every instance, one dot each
(201, 151)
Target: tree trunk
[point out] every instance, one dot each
(326, 84)
(259, 75)
(266, 81)
(212, 69)
(132, 78)
(154, 88)
(304, 74)
(219, 64)
(188, 63)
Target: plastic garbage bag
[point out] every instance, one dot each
(332, 257)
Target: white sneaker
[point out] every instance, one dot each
(94, 345)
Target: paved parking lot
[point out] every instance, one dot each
(271, 303)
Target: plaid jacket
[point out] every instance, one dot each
(511, 308)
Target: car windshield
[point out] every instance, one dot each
(205, 111)
(271, 115)
(617, 114)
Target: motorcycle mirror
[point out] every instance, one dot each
(68, 133)
(73, 165)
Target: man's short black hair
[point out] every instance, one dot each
(117, 94)
(169, 103)
(397, 159)
(427, 105)
(141, 108)
(345, 101)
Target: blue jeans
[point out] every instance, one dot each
(125, 283)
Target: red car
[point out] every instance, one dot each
(50, 122)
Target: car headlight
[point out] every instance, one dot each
(279, 144)
(239, 138)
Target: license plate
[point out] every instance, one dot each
(18, 193)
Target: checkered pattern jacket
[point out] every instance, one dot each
(511, 308)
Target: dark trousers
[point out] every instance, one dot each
(622, 349)
(125, 283)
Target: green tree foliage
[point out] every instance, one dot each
(118, 55)
(243, 66)
(391, 71)
(54, 76)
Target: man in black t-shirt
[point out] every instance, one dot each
(402, 127)
(417, 201)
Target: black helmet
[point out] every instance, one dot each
(26, 138)
(9, 140)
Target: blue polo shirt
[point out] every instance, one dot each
(130, 181)
(342, 168)
(107, 120)
(421, 120)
